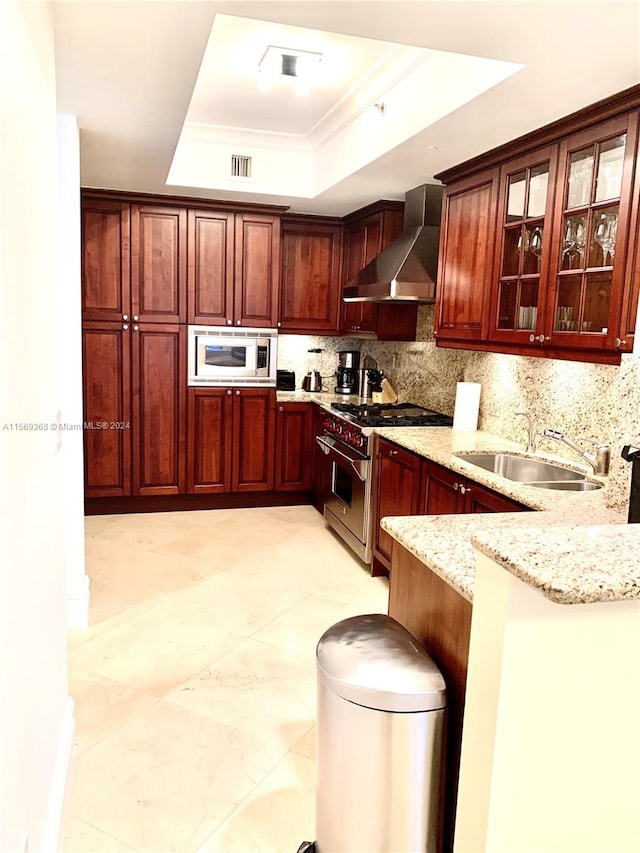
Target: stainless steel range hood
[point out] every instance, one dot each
(406, 270)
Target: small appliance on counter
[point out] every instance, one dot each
(632, 454)
(348, 372)
(313, 380)
(285, 380)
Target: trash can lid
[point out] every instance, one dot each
(373, 661)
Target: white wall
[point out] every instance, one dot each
(36, 715)
(69, 320)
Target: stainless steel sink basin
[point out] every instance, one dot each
(570, 485)
(521, 469)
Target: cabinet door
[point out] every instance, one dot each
(309, 292)
(293, 446)
(441, 491)
(158, 264)
(210, 268)
(396, 491)
(253, 439)
(257, 270)
(159, 409)
(479, 499)
(106, 286)
(591, 220)
(524, 228)
(465, 268)
(355, 245)
(210, 434)
(106, 375)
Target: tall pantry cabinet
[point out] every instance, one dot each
(134, 310)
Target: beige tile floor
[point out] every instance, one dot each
(195, 684)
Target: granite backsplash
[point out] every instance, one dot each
(593, 400)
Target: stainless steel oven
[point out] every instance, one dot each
(347, 442)
(347, 502)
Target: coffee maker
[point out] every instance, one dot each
(347, 373)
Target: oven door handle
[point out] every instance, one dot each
(360, 466)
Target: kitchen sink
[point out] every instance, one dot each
(570, 485)
(531, 472)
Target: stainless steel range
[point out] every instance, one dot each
(347, 442)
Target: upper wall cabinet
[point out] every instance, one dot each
(233, 274)
(466, 258)
(106, 271)
(133, 262)
(559, 280)
(522, 252)
(367, 233)
(310, 281)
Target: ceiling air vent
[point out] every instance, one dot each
(240, 166)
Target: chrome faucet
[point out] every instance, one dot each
(599, 460)
(531, 440)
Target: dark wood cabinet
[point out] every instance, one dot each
(523, 247)
(158, 264)
(134, 379)
(209, 448)
(133, 262)
(257, 270)
(106, 271)
(440, 619)
(106, 379)
(310, 280)
(396, 491)
(564, 221)
(367, 232)
(445, 492)
(465, 267)
(159, 409)
(294, 446)
(233, 268)
(231, 439)
(210, 273)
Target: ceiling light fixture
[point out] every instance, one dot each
(302, 66)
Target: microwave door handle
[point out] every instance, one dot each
(360, 466)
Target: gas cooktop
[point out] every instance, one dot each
(391, 414)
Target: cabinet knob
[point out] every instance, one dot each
(125, 326)
(464, 490)
(539, 338)
(229, 392)
(125, 316)
(237, 393)
(135, 317)
(393, 453)
(136, 328)
(456, 486)
(281, 408)
(279, 324)
(229, 322)
(620, 343)
(238, 322)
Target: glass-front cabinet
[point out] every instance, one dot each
(591, 219)
(522, 256)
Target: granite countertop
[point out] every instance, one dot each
(573, 549)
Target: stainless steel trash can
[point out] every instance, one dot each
(381, 703)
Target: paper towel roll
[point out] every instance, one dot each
(465, 415)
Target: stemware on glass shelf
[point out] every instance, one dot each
(573, 244)
(605, 231)
(580, 175)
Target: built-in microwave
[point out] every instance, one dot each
(220, 356)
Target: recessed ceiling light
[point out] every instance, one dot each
(287, 63)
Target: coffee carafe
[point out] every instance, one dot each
(347, 372)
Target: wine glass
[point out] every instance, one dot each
(605, 235)
(535, 242)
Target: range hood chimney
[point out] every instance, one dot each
(406, 270)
